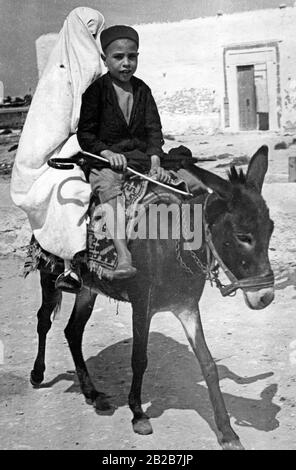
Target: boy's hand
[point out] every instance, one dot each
(117, 160)
(160, 174)
(157, 172)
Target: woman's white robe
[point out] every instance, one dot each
(56, 201)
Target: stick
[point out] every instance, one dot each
(184, 193)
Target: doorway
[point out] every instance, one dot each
(246, 97)
(252, 99)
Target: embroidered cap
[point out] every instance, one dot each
(118, 32)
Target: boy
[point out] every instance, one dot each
(119, 114)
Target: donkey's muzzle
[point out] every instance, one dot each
(259, 299)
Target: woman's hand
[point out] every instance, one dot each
(117, 160)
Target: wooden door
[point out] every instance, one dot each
(246, 97)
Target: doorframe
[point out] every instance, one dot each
(251, 54)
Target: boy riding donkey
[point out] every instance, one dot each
(119, 115)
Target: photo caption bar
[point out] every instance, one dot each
(179, 459)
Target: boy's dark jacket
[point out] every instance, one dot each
(102, 124)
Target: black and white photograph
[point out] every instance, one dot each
(147, 227)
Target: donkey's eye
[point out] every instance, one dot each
(244, 238)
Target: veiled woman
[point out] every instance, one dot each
(56, 202)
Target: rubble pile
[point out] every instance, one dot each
(188, 101)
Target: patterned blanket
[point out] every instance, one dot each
(100, 247)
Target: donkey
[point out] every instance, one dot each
(236, 235)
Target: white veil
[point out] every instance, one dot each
(56, 199)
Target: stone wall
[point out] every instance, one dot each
(188, 55)
(183, 62)
(13, 118)
(290, 105)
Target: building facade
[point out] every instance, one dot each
(227, 72)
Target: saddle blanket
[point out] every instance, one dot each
(100, 247)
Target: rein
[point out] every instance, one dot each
(211, 270)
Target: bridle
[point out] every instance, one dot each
(214, 262)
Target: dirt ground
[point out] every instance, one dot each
(255, 351)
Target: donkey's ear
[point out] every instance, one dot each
(257, 168)
(220, 186)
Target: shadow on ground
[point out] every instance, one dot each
(173, 380)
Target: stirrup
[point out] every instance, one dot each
(67, 283)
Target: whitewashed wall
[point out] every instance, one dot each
(183, 64)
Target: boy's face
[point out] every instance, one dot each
(121, 59)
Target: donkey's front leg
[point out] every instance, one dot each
(74, 331)
(51, 297)
(190, 319)
(141, 322)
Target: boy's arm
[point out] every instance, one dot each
(157, 171)
(89, 121)
(155, 140)
(155, 162)
(87, 129)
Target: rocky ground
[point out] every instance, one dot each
(255, 351)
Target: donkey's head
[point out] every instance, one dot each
(240, 225)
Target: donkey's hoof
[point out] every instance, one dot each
(142, 426)
(101, 403)
(36, 378)
(233, 445)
